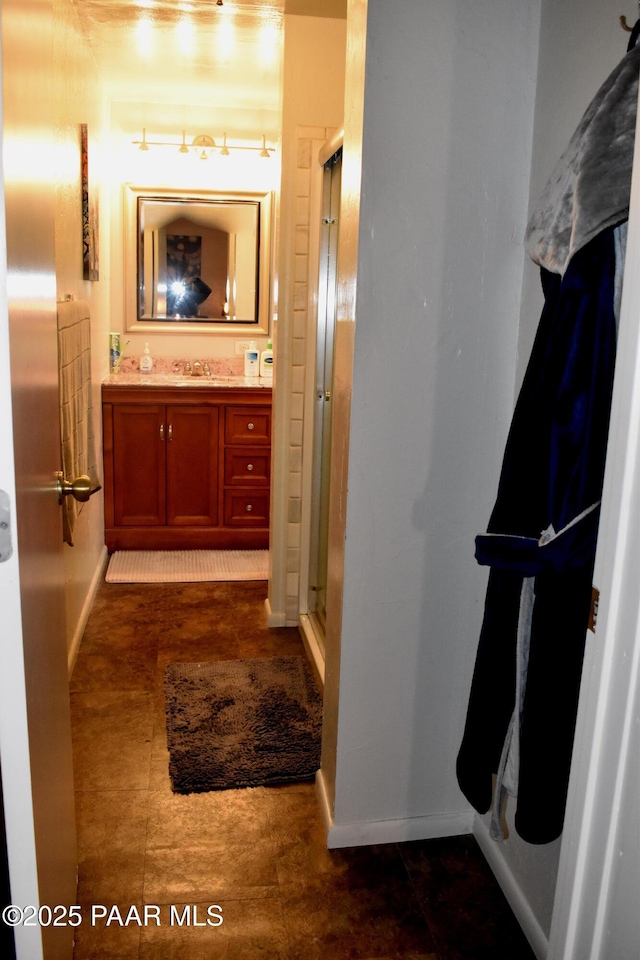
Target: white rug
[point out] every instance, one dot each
(187, 566)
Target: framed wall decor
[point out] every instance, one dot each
(90, 264)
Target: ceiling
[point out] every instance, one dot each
(194, 53)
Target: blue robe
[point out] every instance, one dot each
(543, 531)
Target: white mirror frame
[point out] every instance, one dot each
(236, 328)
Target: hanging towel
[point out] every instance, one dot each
(76, 410)
(590, 187)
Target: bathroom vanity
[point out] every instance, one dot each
(186, 462)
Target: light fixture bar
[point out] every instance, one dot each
(204, 145)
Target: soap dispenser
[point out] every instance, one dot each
(146, 363)
(251, 360)
(266, 361)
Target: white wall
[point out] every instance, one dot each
(580, 43)
(448, 116)
(621, 922)
(596, 912)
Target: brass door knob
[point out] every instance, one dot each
(80, 488)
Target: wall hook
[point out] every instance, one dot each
(623, 21)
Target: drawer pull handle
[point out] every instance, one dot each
(249, 508)
(162, 431)
(250, 426)
(249, 467)
(170, 431)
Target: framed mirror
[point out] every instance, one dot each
(197, 261)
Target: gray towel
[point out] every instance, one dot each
(590, 187)
(76, 410)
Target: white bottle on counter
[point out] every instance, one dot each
(266, 361)
(251, 360)
(146, 363)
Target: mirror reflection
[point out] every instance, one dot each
(197, 262)
(198, 259)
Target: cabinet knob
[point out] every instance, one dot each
(249, 467)
(250, 426)
(249, 508)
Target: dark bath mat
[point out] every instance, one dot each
(241, 723)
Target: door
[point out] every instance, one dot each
(324, 387)
(35, 733)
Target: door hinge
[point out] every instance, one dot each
(593, 612)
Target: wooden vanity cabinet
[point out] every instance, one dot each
(186, 468)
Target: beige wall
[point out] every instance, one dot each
(78, 99)
(313, 84)
(164, 167)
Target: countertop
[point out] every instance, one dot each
(178, 380)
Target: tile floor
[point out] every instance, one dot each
(259, 854)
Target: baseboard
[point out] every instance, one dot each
(312, 647)
(388, 831)
(511, 889)
(86, 609)
(274, 619)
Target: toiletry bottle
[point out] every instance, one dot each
(146, 363)
(266, 361)
(251, 360)
(114, 351)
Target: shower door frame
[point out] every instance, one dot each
(311, 628)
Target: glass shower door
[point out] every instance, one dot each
(317, 599)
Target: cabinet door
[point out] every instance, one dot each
(192, 466)
(139, 464)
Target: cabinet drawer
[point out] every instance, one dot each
(247, 466)
(246, 508)
(247, 425)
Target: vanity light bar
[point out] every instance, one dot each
(203, 145)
